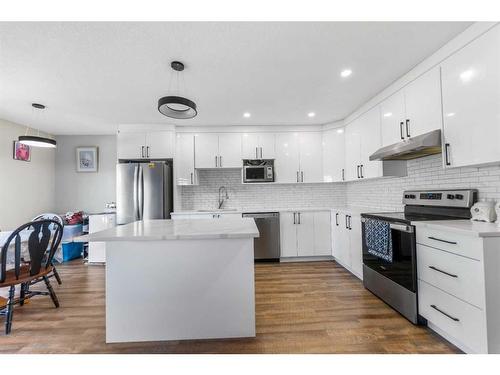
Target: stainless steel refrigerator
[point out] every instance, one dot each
(143, 191)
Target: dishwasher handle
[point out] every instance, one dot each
(262, 215)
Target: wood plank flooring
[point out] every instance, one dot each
(315, 307)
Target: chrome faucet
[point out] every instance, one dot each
(223, 196)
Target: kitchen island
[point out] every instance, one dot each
(176, 280)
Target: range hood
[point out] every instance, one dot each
(413, 148)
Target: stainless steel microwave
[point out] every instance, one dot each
(261, 170)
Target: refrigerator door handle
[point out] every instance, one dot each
(136, 192)
(141, 193)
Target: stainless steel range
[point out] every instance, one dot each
(389, 246)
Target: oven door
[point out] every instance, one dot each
(254, 174)
(402, 268)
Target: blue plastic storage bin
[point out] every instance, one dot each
(72, 250)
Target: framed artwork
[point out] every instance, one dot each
(87, 159)
(21, 151)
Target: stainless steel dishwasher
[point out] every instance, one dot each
(267, 246)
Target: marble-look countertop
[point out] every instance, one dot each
(159, 230)
(354, 209)
(466, 227)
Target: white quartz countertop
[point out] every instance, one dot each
(466, 227)
(354, 209)
(158, 230)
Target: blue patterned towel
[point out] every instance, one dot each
(379, 239)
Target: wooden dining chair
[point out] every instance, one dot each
(59, 219)
(43, 235)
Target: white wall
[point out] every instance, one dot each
(257, 197)
(26, 188)
(85, 191)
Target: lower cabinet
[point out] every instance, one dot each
(346, 241)
(305, 234)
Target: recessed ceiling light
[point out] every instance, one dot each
(340, 131)
(451, 114)
(388, 114)
(345, 73)
(311, 114)
(246, 115)
(467, 75)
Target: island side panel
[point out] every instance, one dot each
(180, 289)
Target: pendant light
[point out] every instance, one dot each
(36, 140)
(177, 106)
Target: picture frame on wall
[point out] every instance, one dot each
(87, 159)
(21, 151)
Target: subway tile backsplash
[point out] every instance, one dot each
(379, 194)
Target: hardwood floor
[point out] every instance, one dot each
(300, 308)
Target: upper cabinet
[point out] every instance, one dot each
(218, 150)
(471, 103)
(185, 174)
(258, 146)
(299, 157)
(145, 145)
(363, 138)
(413, 110)
(334, 155)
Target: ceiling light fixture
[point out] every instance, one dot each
(311, 114)
(246, 115)
(345, 73)
(176, 106)
(36, 140)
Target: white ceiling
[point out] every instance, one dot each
(93, 76)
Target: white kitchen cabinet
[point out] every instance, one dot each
(184, 160)
(334, 155)
(98, 222)
(145, 145)
(370, 142)
(413, 110)
(258, 146)
(393, 116)
(322, 233)
(423, 104)
(471, 103)
(310, 155)
(287, 161)
(352, 150)
(305, 234)
(288, 234)
(347, 241)
(230, 150)
(218, 150)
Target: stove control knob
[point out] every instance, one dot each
(459, 196)
(412, 196)
(450, 196)
(407, 196)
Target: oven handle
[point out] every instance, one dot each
(398, 227)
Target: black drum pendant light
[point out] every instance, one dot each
(177, 106)
(36, 140)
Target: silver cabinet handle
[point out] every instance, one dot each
(261, 152)
(142, 151)
(444, 272)
(446, 154)
(350, 226)
(192, 178)
(147, 151)
(337, 219)
(361, 169)
(401, 124)
(216, 162)
(440, 240)
(346, 222)
(256, 153)
(294, 218)
(408, 128)
(357, 167)
(444, 313)
(220, 161)
(297, 176)
(302, 176)
(343, 175)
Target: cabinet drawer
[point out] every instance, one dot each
(459, 320)
(450, 241)
(456, 275)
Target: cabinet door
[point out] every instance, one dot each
(352, 150)
(311, 166)
(131, 145)
(471, 97)
(206, 147)
(184, 159)
(370, 142)
(423, 104)
(267, 144)
(160, 145)
(356, 248)
(288, 234)
(287, 157)
(250, 146)
(333, 155)
(340, 241)
(230, 150)
(392, 111)
(322, 233)
(305, 234)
